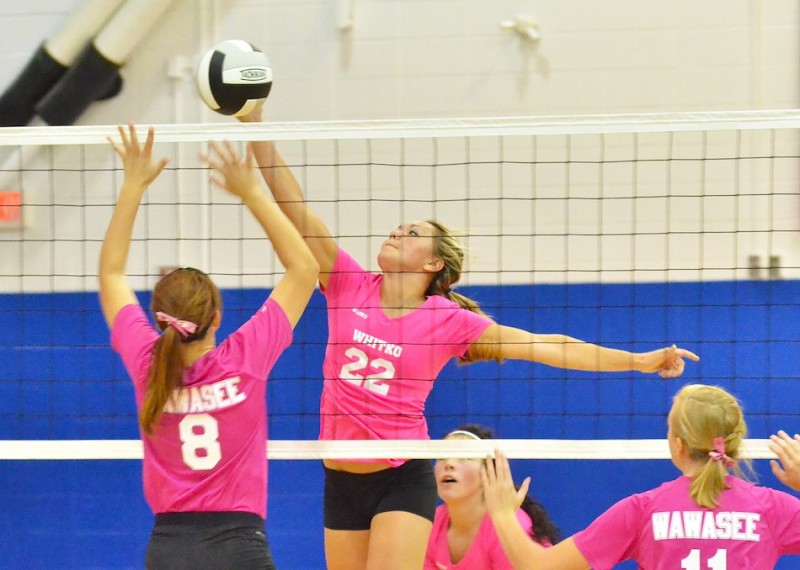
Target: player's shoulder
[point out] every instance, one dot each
(664, 493)
(439, 302)
(765, 495)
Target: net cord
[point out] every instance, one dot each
(416, 128)
(617, 449)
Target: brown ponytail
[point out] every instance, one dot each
(187, 294)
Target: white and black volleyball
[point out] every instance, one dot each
(234, 77)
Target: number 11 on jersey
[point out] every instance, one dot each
(717, 562)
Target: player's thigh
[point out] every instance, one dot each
(346, 549)
(398, 541)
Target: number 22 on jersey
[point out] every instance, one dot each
(355, 371)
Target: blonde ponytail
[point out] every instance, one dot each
(700, 415)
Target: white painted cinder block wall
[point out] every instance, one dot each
(450, 58)
(438, 59)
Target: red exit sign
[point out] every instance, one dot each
(10, 206)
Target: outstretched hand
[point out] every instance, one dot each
(137, 159)
(231, 172)
(788, 451)
(253, 116)
(668, 362)
(499, 492)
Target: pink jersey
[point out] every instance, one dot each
(485, 552)
(665, 529)
(207, 451)
(379, 370)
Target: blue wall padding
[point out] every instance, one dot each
(60, 380)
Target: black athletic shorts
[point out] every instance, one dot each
(353, 499)
(208, 541)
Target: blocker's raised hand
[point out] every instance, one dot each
(137, 159)
(233, 173)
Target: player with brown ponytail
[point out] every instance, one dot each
(201, 405)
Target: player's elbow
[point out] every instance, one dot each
(306, 267)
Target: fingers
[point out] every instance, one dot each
(501, 466)
(785, 447)
(779, 473)
(218, 181)
(224, 153)
(673, 363)
(134, 136)
(488, 473)
(151, 135)
(211, 162)
(683, 353)
(523, 489)
(117, 148)
(123, 135)
(130, 140)
(672, 369)
(161, 165)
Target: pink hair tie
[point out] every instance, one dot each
(185, 328)
(718, 453)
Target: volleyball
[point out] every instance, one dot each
(234, 77)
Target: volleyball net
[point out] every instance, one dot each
(628, 231)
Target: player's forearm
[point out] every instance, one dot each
(566, 352)
(289, 196)
(287, 242)
(522, 552)
(279, 178)
(117, 241)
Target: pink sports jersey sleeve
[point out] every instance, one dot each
(133, 337)
(783, 511)
(378, 369)
(612, 537)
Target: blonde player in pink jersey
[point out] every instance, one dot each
(201, 405)
(706, 519)
(389, 336)
(463, 536)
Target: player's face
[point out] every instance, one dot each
(458, 479)
(408, 248)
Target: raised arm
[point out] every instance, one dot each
(502, 502)
(140, 170)
(289, 196)
(787, 468)
(562, 351)
(238, 176)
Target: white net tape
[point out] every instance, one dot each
(382, 449)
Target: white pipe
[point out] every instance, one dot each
(344, 15)
(82, 26)
(128, 27)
